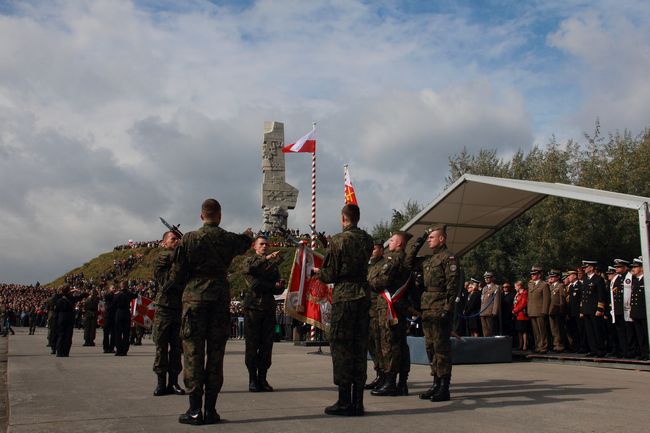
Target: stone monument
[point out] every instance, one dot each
(277, 195)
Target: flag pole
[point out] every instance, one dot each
(313, 197)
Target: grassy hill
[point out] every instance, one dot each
(143, 269)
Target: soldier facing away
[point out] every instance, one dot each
(346, 266)
(200, 266)
(263, 281)
(440, 277)
(167, 322)
(90, 318)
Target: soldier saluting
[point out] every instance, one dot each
(440, 278)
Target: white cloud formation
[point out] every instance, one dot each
(113, 113)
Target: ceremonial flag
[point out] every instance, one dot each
(350, 196)
(308, 299)
(142, 311)
(101, 313)
(306, 144)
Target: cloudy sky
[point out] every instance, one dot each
(115, 112)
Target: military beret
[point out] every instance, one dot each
(586, 263)
(434, 227)
(610, 270)
(475, 280)
(488, 274)
(535, 270)
(554, 273)
(406, 235)
(621, 262)
(638, 262)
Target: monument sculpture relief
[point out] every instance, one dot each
(277, 195)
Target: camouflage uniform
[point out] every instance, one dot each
(90, 320)
(374, 344)
(391, 276)
(259, 310)
(167, 321)
(200, 265)
(440, 279)
(346, 266)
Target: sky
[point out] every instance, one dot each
(116, 112)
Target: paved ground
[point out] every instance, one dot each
(93, 392)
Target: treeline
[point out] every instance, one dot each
(558, 232)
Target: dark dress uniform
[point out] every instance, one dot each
(108, 341)
(440, 278)
(346, 266)
(575, 325)
(166, 328)
(90, 320)
(592, 300)
(200, 266)
(122, 325)
(391, 276)
(65, 322)
(507, 319)
(639, 315)
(259, 311)
(51, 322)
(471, 311)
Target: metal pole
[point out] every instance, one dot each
(313, 200)
(644, 220)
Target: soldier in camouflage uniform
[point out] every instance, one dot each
(200, 266)
(346, 266)
(440, 277)
(374, 345)
(263, 281)
(392, 279)
(167, 322)
(90, 318)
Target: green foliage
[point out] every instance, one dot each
(383, 229)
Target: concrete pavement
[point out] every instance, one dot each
(94, 392)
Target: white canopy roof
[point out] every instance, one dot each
(476, 207)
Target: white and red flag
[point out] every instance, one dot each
(143, 310)
(101, 313)
(350, 196)
(306, 144)
(308, 299)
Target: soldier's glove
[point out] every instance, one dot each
(421, 240)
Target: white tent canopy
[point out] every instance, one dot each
(476, 207)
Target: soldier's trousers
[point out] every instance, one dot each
(349, 341)
(437, 334)
(556, 322)
(539, 333)
(490, 325)
(166, 336)
(109, 333)
(621, 334)
(64, 331)
(395, 354)
(641, 329)
(205, 329)
(592, 331)
(122, 331)
(51, 331)
(259, 327)
(374, 343)
(90, 327)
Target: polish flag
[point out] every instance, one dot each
(350, 196)
(143, 311)
(306, 144)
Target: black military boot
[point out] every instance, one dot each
(426, 395)
(262, 384)
(343, 405)
(357, 400)
(193, 416)
(252, 381)
(173, 387)
(211, 416)
(161, 386)
(402, 387)
(389, 388)
(377, 382)
(443, 391)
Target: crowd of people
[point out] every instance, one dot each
(137, 244)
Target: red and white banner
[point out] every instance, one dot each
(143, 310)
(306, 144)
(350, 196)
(308, 299)
(101, 313)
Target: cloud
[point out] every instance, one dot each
(113, 113)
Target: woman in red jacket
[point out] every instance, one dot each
(521, 318)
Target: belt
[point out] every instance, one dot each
(436, 289)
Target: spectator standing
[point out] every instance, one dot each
(519, 310)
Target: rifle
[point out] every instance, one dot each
(172, 228)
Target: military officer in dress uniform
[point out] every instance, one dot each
(621, 293)
(490, 306)
(575, 326)
(638, 308)
(539, 302)
(557, 309)
(592, 307)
